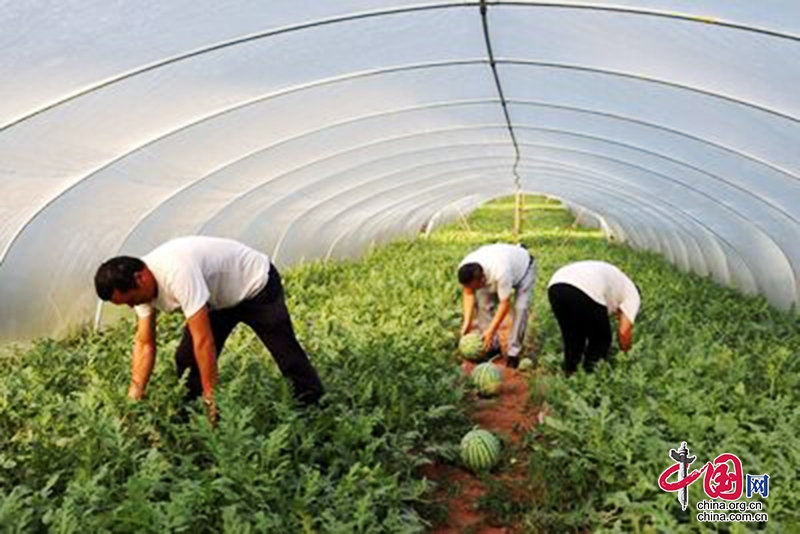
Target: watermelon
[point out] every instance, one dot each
(487, 378)
(480, 450)
(471, 346)
(525, 364)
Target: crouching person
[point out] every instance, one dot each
(216, 283)
(491, 275)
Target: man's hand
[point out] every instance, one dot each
(625, 333)
(135, 391)
(465, 328)
(212, 412)
(488, 337)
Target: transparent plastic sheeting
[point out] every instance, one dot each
(315, 130)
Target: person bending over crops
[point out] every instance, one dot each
(490, 275)
(583, 295)
(217, 284)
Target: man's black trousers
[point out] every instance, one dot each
(584, 326)
(266, 313)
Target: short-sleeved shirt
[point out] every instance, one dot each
(604, 283)
(194, 271)
(503, 265)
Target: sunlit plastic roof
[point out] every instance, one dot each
(311, 129)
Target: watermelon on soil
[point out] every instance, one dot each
(471, 346)
(487, 378)
(480, 450)
(525, 364)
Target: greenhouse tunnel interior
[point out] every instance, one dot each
(313, 130)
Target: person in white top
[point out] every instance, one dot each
(216, 283)
(583, 295)
(496, 272)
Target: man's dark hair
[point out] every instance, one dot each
(117, 273)
(469, 272)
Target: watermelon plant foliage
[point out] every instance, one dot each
(75, 455)
(708, 366)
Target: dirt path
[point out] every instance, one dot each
(511, 417)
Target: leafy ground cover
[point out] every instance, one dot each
(76, 456)
(708, 367)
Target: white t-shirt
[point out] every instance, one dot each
(604, 283)
(195, 270)
(503, 265)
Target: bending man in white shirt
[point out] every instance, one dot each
(583, 295)
(216, 283)
(493, 273)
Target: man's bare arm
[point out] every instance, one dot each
(204, 350)
(500, 314)
(468, 298)
(144, 355)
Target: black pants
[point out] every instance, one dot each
(584, 326)
(266, 313)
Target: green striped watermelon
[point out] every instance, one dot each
(487, 378)
(525, 364)
(471, 346)
(480, 450)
